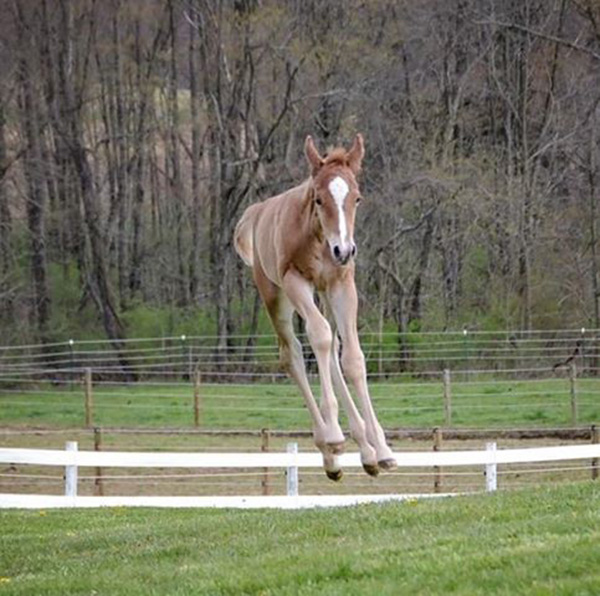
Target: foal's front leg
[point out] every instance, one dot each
(290, 351)
(300, 293)
(358, 429)
(343, 302)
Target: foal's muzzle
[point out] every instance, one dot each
(342, 254)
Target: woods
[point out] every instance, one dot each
(133, 134)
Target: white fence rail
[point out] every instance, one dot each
(72, 459)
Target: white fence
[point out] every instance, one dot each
(72, 459)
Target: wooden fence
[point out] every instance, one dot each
(197, 406)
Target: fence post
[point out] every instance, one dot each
(595, 440)
(89, 398)
(491, 469)
(264, 448)
(197, 408)
(437, 471)
(573, 388)
(73, 382)
(292, 473)
(447, 398)
(183, 366)
(98, 485)
(71, 473)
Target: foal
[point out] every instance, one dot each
(301, 241)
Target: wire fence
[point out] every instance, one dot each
(468, 379)
(483, 401)
(255, 358)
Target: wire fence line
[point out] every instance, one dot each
(256, 357)
(465, 378)
(444, 402)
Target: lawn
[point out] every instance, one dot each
(538, 541)
(475, 403)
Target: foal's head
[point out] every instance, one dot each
(336, 195)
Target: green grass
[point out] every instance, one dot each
(543, 541)
(485, 403)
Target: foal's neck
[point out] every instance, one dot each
(311, 222)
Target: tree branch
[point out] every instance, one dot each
(541, 35)
(406, 229)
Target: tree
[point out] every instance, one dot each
(33, 170)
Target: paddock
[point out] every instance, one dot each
(180, 394)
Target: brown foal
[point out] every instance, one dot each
(300, 242)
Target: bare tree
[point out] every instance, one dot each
(33, 169)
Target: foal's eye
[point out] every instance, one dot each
(358, 200)
(318, 201)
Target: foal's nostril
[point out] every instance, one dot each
(354, 250)
(336, 251)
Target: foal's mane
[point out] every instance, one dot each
(336, 157)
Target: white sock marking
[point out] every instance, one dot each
(339, 189)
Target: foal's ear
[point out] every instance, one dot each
(356, 154)
(314, 159)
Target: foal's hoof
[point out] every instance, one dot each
(336, 475)
(388, 464)
(371, 469)
(336, 448)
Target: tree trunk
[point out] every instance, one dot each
(195, 156)
(417, 285)
(176, 195)
(36, 200)
(141, 149)
(5, 216)
(137, 178)
(593, 235)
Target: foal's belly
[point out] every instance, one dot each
(265, 250)
(268, 263)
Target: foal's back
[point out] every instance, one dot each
(269, 233)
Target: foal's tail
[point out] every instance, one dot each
(244, 231)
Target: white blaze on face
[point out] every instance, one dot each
(339, 189)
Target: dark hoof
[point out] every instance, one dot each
(371, 469)
(335, 476)
(388, 464)
(336, 448)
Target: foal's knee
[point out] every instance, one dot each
(353, 364)
(320, 336)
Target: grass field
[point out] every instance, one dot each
(542, 541)
(476, 403)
